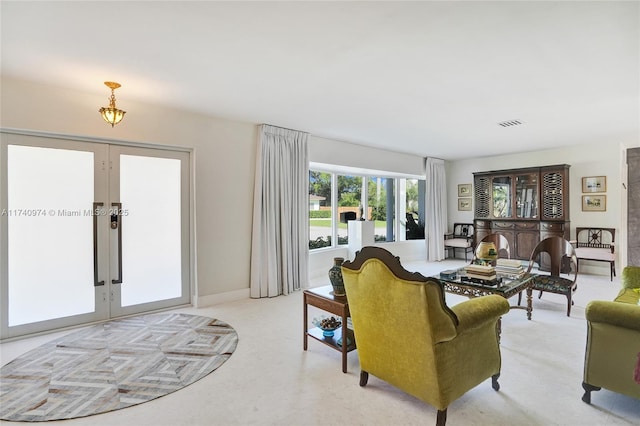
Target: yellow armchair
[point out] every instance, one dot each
(408, 336)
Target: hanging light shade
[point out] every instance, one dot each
(111, 114)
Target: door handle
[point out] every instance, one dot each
(96, 283)
(116, 223)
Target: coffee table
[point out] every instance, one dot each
(508, 288)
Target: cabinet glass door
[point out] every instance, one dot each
(527, 196)
(501, 187)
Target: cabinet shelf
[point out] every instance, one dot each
(332, 341)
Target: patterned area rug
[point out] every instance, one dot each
(113, 365)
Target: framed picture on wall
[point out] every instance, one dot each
(594, 184)
(464, 204)
(464, 190)
(594, 203)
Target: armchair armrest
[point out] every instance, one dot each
(476, 312)
(614, 313)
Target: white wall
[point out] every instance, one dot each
(591, 160)
(328, 151)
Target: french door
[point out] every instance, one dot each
(90, 231)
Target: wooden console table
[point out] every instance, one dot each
(323, 298)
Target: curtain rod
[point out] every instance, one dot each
(284, 128)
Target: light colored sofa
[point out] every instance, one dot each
(613, 340)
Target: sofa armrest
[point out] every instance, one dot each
(476, 312)
(614, 313)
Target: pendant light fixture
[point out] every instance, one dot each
(111, 114)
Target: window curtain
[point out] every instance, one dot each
(280, 244)
(436, 209)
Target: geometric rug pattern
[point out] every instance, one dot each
(113, 365)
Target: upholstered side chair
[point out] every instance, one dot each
(462, 237)
(408, 336)
(561, 255)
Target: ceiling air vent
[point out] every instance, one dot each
(510, 123)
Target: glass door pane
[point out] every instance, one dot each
(50, 194)
(152, 238)
(501, 197)
(150, 243)
(527, 196)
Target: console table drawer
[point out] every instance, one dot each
(503, 225)
(526, 225)
(483, 224)
(555, 227)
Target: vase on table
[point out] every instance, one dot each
(335, 276)
(487, 252)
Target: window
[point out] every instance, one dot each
(320, 212)
(396, 205)
(349, 204)
(413, 190)
(381, 207)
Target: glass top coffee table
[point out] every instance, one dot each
(507, 288)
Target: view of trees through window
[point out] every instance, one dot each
(335, 198)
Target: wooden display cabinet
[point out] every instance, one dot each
(525, 205)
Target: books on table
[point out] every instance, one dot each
(483, 272)
(511, 268)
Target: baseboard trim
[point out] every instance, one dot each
(216, 299)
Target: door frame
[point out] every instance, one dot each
(5, 334)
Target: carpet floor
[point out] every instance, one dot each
(270, 380)
(113, 365)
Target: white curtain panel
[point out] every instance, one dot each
(280, 245)
(436, 209)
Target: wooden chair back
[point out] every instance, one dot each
(559, 251)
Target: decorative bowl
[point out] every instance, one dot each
(327, 325)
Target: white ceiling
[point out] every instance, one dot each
(427, 78)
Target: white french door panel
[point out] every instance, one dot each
(89, 231)
(150, 245)
(50, 236)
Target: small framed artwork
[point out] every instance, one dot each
(464, 204)
(594, 184)
(594, 203)
(464, 190)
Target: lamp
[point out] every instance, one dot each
(111, 114)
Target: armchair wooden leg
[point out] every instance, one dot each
(442, 417)
(587, 391)
(494, 382)
(364, 378)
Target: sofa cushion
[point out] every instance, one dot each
(457, 242)
(593, 253)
